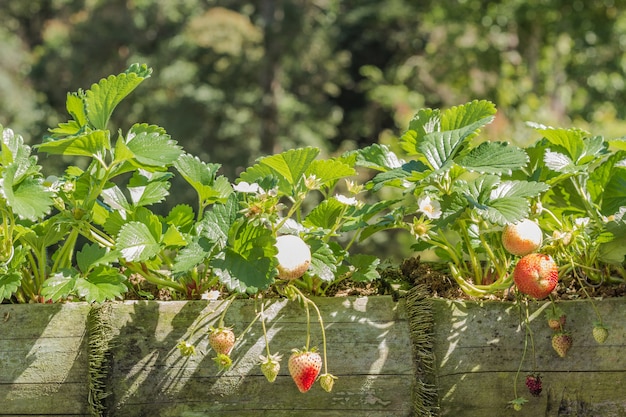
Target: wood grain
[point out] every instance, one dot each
(479, 346)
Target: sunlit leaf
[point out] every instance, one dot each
(102, 284)
(152, 146)
(494, 158)
(136, 243)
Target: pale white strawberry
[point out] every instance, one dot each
(522, 238)
(294, 256)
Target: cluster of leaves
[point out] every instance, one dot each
(458, 193)
(87, 232)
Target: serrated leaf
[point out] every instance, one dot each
(614, 195)
(468, 114)
(571, 140)
(494, 158)
(92, 255)
(289, 168)
(114, 197)
(136, 243)
(102, 284)
(102, 98)
(203, 178)
(195, 253)
(217, 222)
(248, 264)
(618, 144)
(182, 217)
(173, 237)
(524, 189)
(29, 199)
(323, 259)
(75, 107)
(600, 175)
(152, 146)
(59, 285)
(89, 144)
(329, 171)
(10, 281)
(365, 267)
(325, 214)
(479, 189)
(243, 275)
(377, 157)
(13, 147)
(148, 188)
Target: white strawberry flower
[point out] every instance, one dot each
(348, 201)
(429, 207)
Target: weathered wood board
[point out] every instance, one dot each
(478, 348)
(368, 349)
(44, 360)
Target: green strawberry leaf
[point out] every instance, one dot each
(92, 255)
(571, 140)
(288, 167)
(195, 253)
(13, 148)
(102, 284)
(182, 217)
(89, 144)
(152, 146)
(59, 285)
(614, 195)
(248, 264)
(377, 157)
(29, 199)
(323, 259)
(203, 178)
(136, 243)
(325, 215)
(10, 281)
(114, 197)
(329, 171)
(364, 267)
(148, 188)
(173, 237)
(494, 158)
(102, 98)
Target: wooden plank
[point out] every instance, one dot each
(43, 357)
(478, 348)
(368, 349)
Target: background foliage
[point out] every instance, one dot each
(238, 79)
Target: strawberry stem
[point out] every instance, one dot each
(306, 302)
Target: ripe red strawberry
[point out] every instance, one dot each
(294, 256)
(221, 340)
(522, 238)
(536, 274)
(304, 367)
(533, 382)
(600, 333)
(561, 342)
(270, 366)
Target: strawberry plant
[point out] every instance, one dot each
(457, 194)
(88, 232)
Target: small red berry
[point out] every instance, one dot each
(304, 367)
(533, 382)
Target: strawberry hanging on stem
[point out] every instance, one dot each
(306, 364)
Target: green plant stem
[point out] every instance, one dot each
(150, 277)
(267, 342)
(306, 302)
(64, 256)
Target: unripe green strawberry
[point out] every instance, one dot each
(294, 256)
(221, 340)
(224, 362)
(270, 366)
(522, 238)
(600, 333)
(304, 367)
(327, 381)
(561, 343)
(536, 274)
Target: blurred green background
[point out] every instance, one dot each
(235, 80)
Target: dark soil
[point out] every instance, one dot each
(440, 284)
